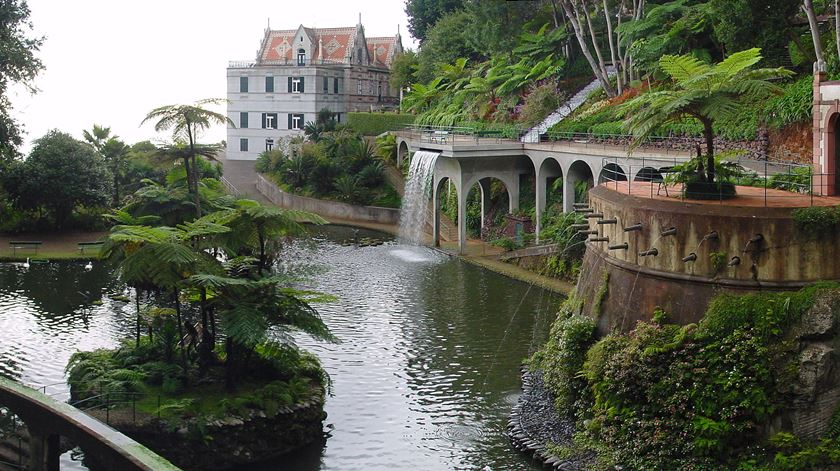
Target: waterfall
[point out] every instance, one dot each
(416, 201)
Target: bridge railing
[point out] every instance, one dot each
(46, 419)
(761, 183)
(448, 135)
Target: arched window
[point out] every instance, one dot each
(301, 57)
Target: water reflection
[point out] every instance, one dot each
(423, 378)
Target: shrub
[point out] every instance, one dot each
(692, 397)
(374, 124)
(816, 219)
(541, 101)
(563, 356)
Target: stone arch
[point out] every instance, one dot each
(485, 186)
(578, 171)
(612, 172)
(829, 182)
(402, 153)
(648, 174)
(509, 179)
(548, 172)
(444, 186)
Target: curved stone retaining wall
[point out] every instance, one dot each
(234, 441)
(326, 208)
(620, 286)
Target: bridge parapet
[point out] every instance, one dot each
(48, 419)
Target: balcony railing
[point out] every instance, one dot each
(758, 183)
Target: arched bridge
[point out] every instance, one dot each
(47, 420)
(466, 160)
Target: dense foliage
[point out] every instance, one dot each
(18, 65)
(341, 165)
(60, 176)
(686, 397)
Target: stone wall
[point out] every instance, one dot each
(327, 209)
(233, 441)
(785, 257)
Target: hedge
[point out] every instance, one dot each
(373, 124)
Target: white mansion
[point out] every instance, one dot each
(299, 72)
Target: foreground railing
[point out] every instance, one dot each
(47, 419)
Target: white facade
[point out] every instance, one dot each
(305, 79)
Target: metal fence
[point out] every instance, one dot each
(763, 183)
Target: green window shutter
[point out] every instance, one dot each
(243, 120)
(243, 84)
(335, 85)
(302, 89)
(290, 121)
(269, 84)
(263, 120)
(290, 85)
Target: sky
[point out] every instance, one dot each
(110, 62)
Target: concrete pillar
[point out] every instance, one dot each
(44, 451)
(435, 215)
(540, 203)
(569, 193)
(462, 218)
(484, 187)
(513, 192)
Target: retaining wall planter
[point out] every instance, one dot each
(326, 208)
(232, 441)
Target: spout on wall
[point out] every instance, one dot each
(711, 236)
(754, 242)
(624, 246)
(735, 261)
(669, 231)
(692, 257)
(599, 239)
(608, 221)
(649, 253)
(635, 227)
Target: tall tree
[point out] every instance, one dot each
(423, 14)
(59, 175)
(112, 150)
(187, 122)
(704, 92)
(573, 8)
(808, 8)
(18, 64)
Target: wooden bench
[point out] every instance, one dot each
(24, 245)
(89, 245)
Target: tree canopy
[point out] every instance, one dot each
(18, 64)
(60, 174)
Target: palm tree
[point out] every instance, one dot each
(253, 226)
(162, 258)
(248, 308)
(97, 136)
(186, 123)
(706, 92)
(110, 148)
(114, 150)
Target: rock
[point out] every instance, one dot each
(821, 319)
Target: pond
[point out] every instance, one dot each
(424, 375)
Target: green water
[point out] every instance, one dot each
(424, 376)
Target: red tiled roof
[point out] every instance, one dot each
(330, 44)
(381, 50)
